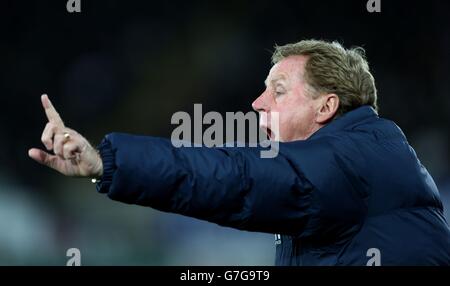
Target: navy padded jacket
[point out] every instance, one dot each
(354, 185)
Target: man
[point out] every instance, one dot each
(345, 188)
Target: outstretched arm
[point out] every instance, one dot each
(229, 186)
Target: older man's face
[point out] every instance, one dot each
(286, 94)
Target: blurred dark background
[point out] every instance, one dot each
(129, 65)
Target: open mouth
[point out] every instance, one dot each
(263, 124)
(268, 131)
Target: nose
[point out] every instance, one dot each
(259, 104)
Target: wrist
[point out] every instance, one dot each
(106, 167)
(98, 170)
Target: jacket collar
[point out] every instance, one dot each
(347, 120)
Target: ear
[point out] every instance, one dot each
(329, 105)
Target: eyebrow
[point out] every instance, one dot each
(272, 81)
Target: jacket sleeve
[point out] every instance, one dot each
(229, 186)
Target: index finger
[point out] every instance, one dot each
(51, 112)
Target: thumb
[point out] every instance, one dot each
(41, 157)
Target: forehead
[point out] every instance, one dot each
(288, 68)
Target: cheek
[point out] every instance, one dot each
(290, 110)
(289, 121)
(296, 116)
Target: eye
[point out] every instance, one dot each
(279, 91)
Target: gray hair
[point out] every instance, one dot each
(330, 68)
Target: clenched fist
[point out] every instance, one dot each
(73, 155)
